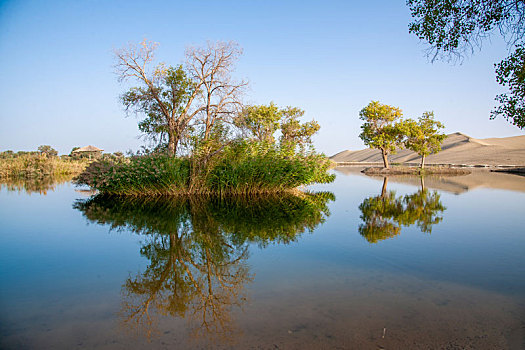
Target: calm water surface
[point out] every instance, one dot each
(363, 263)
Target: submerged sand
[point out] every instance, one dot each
(457, 149)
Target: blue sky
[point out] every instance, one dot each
(330, 58)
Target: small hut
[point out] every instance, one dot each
(87, 152)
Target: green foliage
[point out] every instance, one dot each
(161, 102)
(511, 73)
(455, 26)
(152, 174)
(379, 129)
(452, 27)
(243, 167)
(260, 121)
(251, 168)
(423, 136)
(179, 102)
(198, 107)
(293, 133)
(218, 161)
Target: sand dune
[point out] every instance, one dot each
(457, 149)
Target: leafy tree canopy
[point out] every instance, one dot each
(511, 73)
(261, 121)
(295, 133)
(379, 129)
(423, 136)
(453, 27)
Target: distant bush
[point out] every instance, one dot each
(47, 151)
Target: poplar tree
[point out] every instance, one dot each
(423, 136)
(380, 129)
(454, 28)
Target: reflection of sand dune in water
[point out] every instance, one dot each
(457, 148)
(479, 178)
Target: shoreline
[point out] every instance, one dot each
(430, 165)
(403, 170)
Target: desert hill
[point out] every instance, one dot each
(457, 149)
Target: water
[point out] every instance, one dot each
(363, 264)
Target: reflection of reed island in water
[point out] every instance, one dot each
(384, 215)
(197, 250)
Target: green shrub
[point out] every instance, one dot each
(241, 168)
(152, 174)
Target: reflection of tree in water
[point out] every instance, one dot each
(384, 215)
(197, 248)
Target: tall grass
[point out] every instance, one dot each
(152, 175)
(241, 168)
(32, 166)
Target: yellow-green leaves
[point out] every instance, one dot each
(423, 136)
(380, 129)
(261, 121)
(383, 129)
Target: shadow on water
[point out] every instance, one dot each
(384, 215)
(197, 250)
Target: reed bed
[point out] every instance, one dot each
(243, 173)
(31, 166)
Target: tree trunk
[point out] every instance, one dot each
(173, 139)
(422, 161)
(385, 158)
(383, 190)
(172, 146)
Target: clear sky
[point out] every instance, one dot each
(330, 58)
